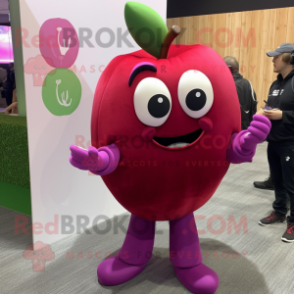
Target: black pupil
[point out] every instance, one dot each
(196, 99)
(158, 106)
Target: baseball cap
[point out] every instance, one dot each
(284, 48)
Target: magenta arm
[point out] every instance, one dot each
(102, 161)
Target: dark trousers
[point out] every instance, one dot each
(8, 96)
(281, 161)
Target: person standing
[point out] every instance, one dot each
(9, 84)
(3, 74)
(281, 138)
(246, 94)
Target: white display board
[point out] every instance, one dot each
(59, 191)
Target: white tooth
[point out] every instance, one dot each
(177, 145)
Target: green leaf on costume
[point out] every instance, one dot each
(146, 27)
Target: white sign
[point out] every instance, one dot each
(59, 112)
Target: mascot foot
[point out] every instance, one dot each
(199, 279)
(113, 271)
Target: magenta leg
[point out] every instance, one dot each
(185, 255)
(139, 241)
(184, 242)
(134, 254)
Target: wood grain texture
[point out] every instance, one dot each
(245, 35)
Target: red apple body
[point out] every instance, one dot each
(152, 181)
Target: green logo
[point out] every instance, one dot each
(61, 92)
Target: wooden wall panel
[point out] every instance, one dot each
(220, 37)
(281, 26)
(245, 35)
(290, 25)
(244, 47)
(256, 58)
(236, 22)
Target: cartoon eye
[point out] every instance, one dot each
(43, 66)
(152, 101)
(195, 93)
(35, 67)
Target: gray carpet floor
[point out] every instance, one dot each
(254, 261)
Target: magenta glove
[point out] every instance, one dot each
(243, 145)
(102, 161)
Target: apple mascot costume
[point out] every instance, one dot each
(165, 104)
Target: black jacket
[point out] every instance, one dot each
(281, 96)
(9, 84)
(247, 99)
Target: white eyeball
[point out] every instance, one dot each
(195, 93)
(152, 101)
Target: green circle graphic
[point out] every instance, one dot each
(61, 92)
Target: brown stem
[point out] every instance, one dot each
(170, 36)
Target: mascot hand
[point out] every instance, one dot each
(256, 133)
(243, 145)
(100, 161)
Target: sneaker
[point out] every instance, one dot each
(274, 217)
(267, 184)
(289, 234)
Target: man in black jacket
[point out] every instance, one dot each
(246, 94)
(9, 84)
(281, 138)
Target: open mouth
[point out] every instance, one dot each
(181, 141)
